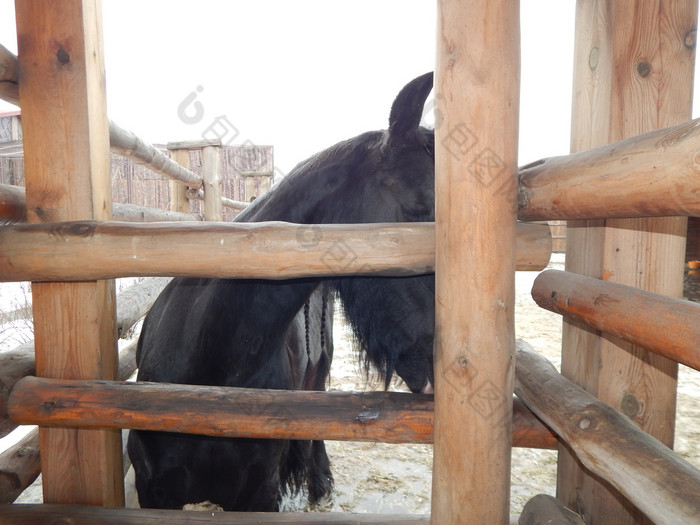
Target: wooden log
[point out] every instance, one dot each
(9, 76)
(633, 73)
(134, 302)
(106, 250)
(128, 144)
(67, 177)
(84, 515)
(14, 365)
(477, 86)
(229, 203)
(192, 144)
(20, 466)
(660, 483)
(13, 205)
(547, 510)
(134, 213)
(179, 202)
(13, 209)
(387, 417)
(18, 363)
(212, 183)
(649, 175)
(661, 324)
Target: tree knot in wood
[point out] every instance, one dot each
(630, 405)
(690, 39)
(643, 68)
(369, 415)
(62, 56)
(48, 406)
(593, 57)
(76, 229)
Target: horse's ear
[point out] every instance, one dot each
(407, 109)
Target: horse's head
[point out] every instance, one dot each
(379, 176)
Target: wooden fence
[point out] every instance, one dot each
(633, 74)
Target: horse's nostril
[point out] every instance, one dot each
(427, 389)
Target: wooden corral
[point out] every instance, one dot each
(625, 192)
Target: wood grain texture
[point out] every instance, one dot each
(271, 250)
(633, 74)
(477, 94)
(661, 484)
(649, 175)
(67, 178)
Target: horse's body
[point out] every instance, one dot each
(265, 334)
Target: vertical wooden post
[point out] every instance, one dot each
(212, 183)
(477, 89)
(633, 73)
(178, 191)
(66, 144)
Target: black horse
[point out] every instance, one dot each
(276, 334)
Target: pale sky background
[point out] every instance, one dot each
(302, 75)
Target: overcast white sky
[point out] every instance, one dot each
(302, 75)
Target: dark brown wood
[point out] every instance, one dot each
(547, 510)
(13, 204)
(649, 175)
(665, 325)
(654, 479)
(369, 416)
(83, 515)
(272, 250)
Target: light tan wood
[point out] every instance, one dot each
(20, 466)
(271, 250)
(633, 74)
(664, 325)
(477, 82)
(179, 202)
(67, 177)
(660, 483)
(650, 175)
(13, 209)
(128, 144)
(229, 203)
(388, 417)
(212, 183)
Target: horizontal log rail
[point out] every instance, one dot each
(85, 515)
(20, 465)
(132, 304)
(228, 203)
(13, 209)
(387, 417)
(650, 175)
(660, 483)
(661, 324)
(89, 250)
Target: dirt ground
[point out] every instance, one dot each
(397, 478)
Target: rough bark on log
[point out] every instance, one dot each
(655, 480)
(665, 325)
